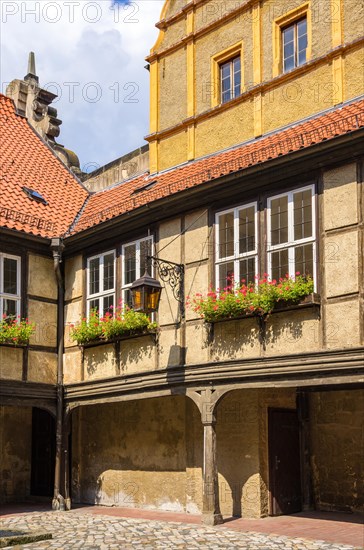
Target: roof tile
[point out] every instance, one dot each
(26, 161)
(120, 199)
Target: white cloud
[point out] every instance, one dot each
(93, 53)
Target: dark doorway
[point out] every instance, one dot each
(43, 453)
(284, 462)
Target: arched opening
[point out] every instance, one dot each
(43, 453)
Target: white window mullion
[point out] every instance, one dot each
(102, 293)
(236, 246)
(291, 247)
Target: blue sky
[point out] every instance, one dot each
(91, 53)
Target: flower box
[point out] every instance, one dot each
(126, 336)
(259, 299)
(112, 327)
(15, 332)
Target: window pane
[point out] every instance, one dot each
(301, 57)
(225, 70)
(301, 41)
(226, 275)
(279, 220)
(145, 250)
(302, 204)
(109, 301)
(246, 230)
(10, 276)
(288, 64)
(94, 274)
(225, 82)
(226, 235)
(237, 76)
(279, 263)
(95, 304)
(127, 298)
(247, 270)
(10, 308)
(288, 34)
(304, 259)
(288, 50)
(130, 264)
(226, 96)
(109, 272)
(302, 29)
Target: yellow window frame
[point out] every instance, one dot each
(217, 60)
(288, 19)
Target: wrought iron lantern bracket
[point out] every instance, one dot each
(173, 274)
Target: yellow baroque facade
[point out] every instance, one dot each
(186, 113)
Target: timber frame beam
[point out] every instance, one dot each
(319, 369)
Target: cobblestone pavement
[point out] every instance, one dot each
(77, 530)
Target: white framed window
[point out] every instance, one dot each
(134, 264)
(291, 240)
(10, 285)
(236, 245)
(101, 283)
(230, 79)
(294, 44)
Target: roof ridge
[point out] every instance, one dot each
(77, 217)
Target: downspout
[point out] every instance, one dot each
(57, 246)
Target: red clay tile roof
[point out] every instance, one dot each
(121, 198)
(26, 161)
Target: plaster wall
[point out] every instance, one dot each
(172, 89)
(352, 21)
(44, 315)
(340, 197)
(42, 367)
(148, 453)
(337, 448)
(11, 363)
(41, 278)
(15, 453)
(212, 137)
(172, 150)
(132, 454)
(353, 72)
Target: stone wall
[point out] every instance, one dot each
(337, 450)
(131, 454)
(15, 453)
(121, 169)
(148, 454)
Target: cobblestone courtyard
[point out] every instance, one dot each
(77, 529)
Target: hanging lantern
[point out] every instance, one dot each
(145, 294)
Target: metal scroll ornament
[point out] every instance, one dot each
(171, 273)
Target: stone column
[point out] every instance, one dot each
(211, 514)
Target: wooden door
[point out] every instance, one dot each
(284, 462)
(43, 453)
